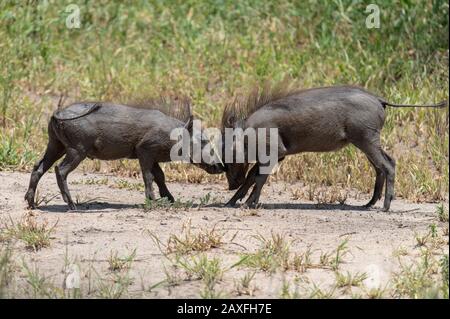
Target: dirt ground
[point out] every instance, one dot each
(113, 221)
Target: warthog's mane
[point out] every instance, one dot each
(173, 106)
(242, 106)
(176, 107)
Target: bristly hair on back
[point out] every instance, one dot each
(178, 107)
(242, 106)
(173, 106)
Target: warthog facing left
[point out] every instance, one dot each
(109, 131)
(313, 120)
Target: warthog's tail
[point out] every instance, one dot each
(440, 104)
(90, 110)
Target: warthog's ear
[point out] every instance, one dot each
(189, 124)
(230, 121)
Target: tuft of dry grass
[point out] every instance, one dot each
(348, 280)
(273, 254)
(442, 213)
(118, 263)
(35, 235)
(190, 241)
(243, 286)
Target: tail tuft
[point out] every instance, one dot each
(441, 104)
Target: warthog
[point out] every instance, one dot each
(109, 131)
(313, 120)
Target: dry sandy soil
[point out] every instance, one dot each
(113, 220)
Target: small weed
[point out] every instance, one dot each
(209, 292)
(164, 204)
(375, 293)
(38, 200)
(273, 254)
(34, 235)
(202, 268)
(442, 213)
(189, 241)
(335, 258)
(243, 285)
(114, 287)
(117, 263)
(400, 251)
(422, 240)
(39, 285)
(204, 200)
(83, 199)
(445, 276)
(418, 280)
(286, 292)
(301, 262)
(124, 184)
(92, 181)
(318, 293)
(6, 269)
(348, 280)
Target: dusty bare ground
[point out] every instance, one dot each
(113, 221)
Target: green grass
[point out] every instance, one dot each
(211, 50)
(6, 269)
(420, 279)
(442, 213)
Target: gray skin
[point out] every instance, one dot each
(321, 120)
(109, 132)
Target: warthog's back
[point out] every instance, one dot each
(111, 131)
(75, 111)
(322, 119)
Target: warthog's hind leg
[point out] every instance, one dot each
(379, 183)
(54, 151)
(385, 169)
(73, 158)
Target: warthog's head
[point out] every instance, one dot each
(235, 170)
(213, 164)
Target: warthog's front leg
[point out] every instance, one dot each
(161, 182)
(253, 199)
(242, 191)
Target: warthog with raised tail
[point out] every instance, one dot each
(313, 120)
(109, 131)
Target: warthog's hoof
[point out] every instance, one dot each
(250, 205)
(29, 197)
(230, 205)
(369, 204)
(72, 206)
(170, 198)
